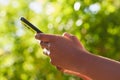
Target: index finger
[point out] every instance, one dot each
(45, 37)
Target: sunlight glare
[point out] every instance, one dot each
(4, 2)
(79, 22)
(77, 6)
(8, 47)
(49, 9)
(69, 24)
(94, 8)
(36, 7)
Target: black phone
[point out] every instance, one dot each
(30, 25)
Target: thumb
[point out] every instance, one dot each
(73, 39)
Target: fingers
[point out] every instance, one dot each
(60, 69)
(69, 36)
(45, 37)
(44, 44)
(46, 47)
(46, 51)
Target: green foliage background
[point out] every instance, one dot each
(95, 22)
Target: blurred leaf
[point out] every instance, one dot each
(95, 22)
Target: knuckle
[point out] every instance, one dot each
(73, 37)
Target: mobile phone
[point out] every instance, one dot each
(30, 25)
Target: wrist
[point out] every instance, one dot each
(81, 61)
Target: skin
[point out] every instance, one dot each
(69, 55)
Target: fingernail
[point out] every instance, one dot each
(67, 34)
(64, 33)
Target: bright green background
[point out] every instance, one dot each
(95, 22)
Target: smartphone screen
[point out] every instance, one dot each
(30, 25)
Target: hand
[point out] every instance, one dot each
(68, 55)
(62, 51)
(62, 48)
